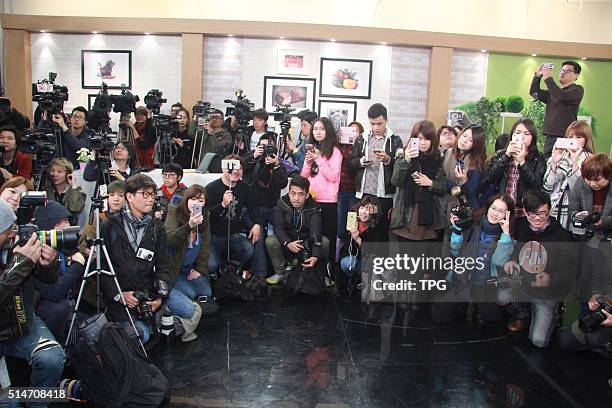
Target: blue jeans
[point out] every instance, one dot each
(179, 304)
(42, 351)
(260, 259)
(240, 247)
(346, 201)
(543, 316)
(193, 288)
(350, 265)
(143, 330)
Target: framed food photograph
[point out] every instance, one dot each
(293, 62)
(298, 93)
(346, 78)
(113, 67)
(341, 113)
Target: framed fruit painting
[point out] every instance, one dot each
(346, 78)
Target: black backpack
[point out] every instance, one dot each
(119, 374)
(231, 285)
(310, 281)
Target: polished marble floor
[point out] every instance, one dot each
(319, 352)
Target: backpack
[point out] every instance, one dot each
(230, 284)
(118, 374)
(310, 281)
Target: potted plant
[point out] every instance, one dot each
(83, 156)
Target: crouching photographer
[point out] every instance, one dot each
(297, 232)
(590, 212)
(138, 254)
(22, 333)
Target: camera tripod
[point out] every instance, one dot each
(129, 136)
(96, 251)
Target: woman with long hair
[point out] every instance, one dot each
(563, 169)
(322, 166)
(520, 167)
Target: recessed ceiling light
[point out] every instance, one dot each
(333, 40)
(230, 35)
(483, 50)
(43, 31)
(94, 32)
(583, 58)
(534, 55)
(383, 43)
(282, 38)
(147, 33)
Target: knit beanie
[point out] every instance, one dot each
(7, 216)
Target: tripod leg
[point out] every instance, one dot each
(78, 302)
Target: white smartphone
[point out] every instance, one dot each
(414, 143)
(348, 134)
(517, 137)
(230, 165)
(351, 221)
(566, 143)
(549, 65)
(197, 207)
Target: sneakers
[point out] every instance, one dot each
(275, 279)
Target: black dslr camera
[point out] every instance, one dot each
(582, 226)
(591, 322)
(68, 238)
(462, 209)
(160, 291)
(50, 97)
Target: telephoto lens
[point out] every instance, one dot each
(67, 238)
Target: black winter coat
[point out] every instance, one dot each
(133, 273)
(310, 225)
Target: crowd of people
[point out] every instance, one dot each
(171, 242)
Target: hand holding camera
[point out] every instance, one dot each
(296, 246)
(228, 196)
(381, 155)
(47, 255)
(131, 301)
(31, 249)
(258, 152)
(310, 262)
(461, 175)
(59, 119)
(196, 219)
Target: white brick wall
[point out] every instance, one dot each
(408, 84)
(468, 77)
(223, 69)
(156, 63)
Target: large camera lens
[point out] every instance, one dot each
(68, 238)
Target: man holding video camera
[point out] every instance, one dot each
(562, 102)
(297, 231)
(75, 136)
(267, 178)
(137, 251)
(22, 333)
(217, 142)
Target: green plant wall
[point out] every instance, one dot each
(512, 74)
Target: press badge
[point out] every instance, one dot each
(145, 254)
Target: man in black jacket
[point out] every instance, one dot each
(562, 102)
(373, 160)
(297, 225)
(22, 333)
(267, 178)
(136, 244)
(75, 137)
(545, 259)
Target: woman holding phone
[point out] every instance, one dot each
(464, 163)
(490, 241)
(322, 166)
(520, 167)
(563, 168)
(188, 240)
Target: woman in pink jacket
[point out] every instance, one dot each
(322, 166)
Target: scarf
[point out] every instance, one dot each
(135, 227)
(428, 165)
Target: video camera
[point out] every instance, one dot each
(242, 109)
(590, 322)
(50, 97)
(282, 114)
(202, 108)
(582, 226)
(160, 291)
(67, 238)
(153, 100)
(37, 142)
(462, 209)
(124, 103)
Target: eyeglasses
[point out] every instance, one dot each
(566, 71)
(168, 175)
(541, 214)
(146, 194)
(78, 117)
(498, 210)
(120, 148)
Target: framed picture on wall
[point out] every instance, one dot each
(299, 93)
(113, 67)
(292, 62)
(346, 78)
(341, 113)
(91, 98)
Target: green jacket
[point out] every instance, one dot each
(73, 200)
(177, 240)
(400, 216)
